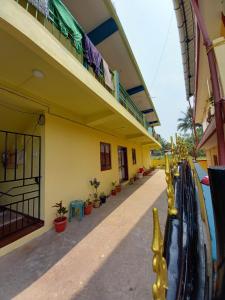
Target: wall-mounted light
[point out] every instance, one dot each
(38, 74)
(41, 120)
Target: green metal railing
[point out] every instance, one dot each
(51, 24)
(127, 102)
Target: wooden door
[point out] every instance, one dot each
(123, 165)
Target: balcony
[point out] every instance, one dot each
(127, 102)
(51, 23)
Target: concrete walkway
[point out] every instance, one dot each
(105, 257)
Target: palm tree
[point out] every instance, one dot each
(186, 123)
(165, 145)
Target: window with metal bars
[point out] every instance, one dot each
(134, 158)
(105, 156)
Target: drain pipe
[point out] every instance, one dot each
(215, 82)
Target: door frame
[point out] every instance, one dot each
(124, 150)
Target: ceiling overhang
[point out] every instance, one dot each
(195, 61)
(99, 19)
(135, 90)
(209, 138)
(186, 27)
(211, 13)
(103, 31)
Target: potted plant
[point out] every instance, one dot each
(95, 183)
(102, 198)
(146, 173)
(61, 221)
(131, 181)
(113, 192)
(88, 206)
(118, 188)
(96, 203)
(140, 173)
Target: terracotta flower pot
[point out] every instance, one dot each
(88, 209)
(118, 188)
(139, 175)
(60, 224)
(113, 192)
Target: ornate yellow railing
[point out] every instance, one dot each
(159, 263)
(179, 152)
(172, 211)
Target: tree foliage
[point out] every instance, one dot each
(190, 142)
(165, 146)
(185, 126)
(186, 122)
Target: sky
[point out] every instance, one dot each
(152, 32)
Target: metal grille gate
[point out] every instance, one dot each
(20, 168)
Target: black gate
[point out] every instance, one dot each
(20, 167)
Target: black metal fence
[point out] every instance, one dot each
(20, 176)
(185, 260)
(217, 186)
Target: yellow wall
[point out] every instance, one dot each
(158, 162)
(146, 157)
(222, 29)
(220, 58)
(203, 164)
(210, 154)
(70, 158)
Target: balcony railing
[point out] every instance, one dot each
(127, 102)
(51, 24)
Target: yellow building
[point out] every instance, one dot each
(202, 34)
(64, 119)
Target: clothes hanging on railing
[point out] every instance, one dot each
(67, 23)
(41, 5)
(92, 55)
(107, 75)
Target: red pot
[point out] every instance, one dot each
(60, 224)
(113, 192)
(88, 209)
(118, 188)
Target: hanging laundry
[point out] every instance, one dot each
(67, 23)
(41, 5)
(108, 75)
(92, 55)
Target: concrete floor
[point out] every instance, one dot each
(106, 256)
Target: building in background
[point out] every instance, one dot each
(202, 35)
(74, 106)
